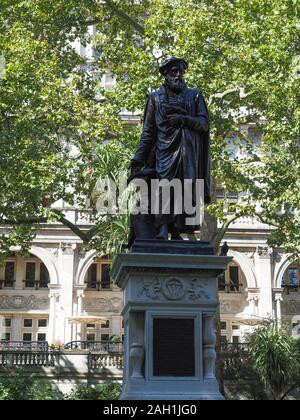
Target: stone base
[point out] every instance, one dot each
(170, 304)
(168, 391)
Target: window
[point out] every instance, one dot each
(90, 337)
(9, 275)
(5, 336)
(106, 325)
(230, 281)
(223, 325)
(235, 339)
(290, 280)
(104, 337)
(41, 337)
(98, 276)
(30, 274)
(28, 323)
(42, 323)
(27, 337)
(235, 327)
(44, 276)
(224, 339)
(6, 322)
(92, 277)
(91, 326)
(105, 276)
(234, 279)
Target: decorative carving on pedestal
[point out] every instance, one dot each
(209, 344)
(137, 356)
(106, 305)
(197, 290)
(151, 289)
(23, 302)
(174, 289)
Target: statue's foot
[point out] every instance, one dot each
(176, 237)
(163, 233)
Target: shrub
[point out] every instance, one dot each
(17, 386)
(276, 360)
(106, 391)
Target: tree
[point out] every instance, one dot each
(244, 56)
(276, 359)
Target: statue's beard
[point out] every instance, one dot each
(175, 84)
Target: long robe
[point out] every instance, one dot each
(176, 153)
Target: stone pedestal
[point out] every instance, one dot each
(169, 310)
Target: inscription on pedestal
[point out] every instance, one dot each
(173, 347)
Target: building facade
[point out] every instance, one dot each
(40, 294)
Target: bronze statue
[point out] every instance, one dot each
(174, 145)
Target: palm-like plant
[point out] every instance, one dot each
(276, 360)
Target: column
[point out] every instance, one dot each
(209, 345)
(66, 265)
(54, 299)
(16, 328)
(278, 299)
(116, 326)
(80, 296)
(263, 266)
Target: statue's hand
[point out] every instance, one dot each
(174, 109)
(176, 121)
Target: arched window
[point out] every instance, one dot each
(291, 278)
(36, 273)
(231, 281)
(98, 275)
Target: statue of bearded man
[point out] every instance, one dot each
(174, 142)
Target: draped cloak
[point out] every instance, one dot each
(176, 153)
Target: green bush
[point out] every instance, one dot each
(17, 386)
(106, 391)
(276, 360)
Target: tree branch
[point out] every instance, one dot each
(128, 19)
(91, 233)
(221, 95)
(266, 222)
(71, 226)
(221, 232)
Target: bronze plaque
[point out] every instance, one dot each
(173, 347)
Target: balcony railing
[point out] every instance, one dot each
(36, 284)
(29, 346)
(106, 361)
(7, 283)
(27, 359)
(95, 346)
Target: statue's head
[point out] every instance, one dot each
(174, 69)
